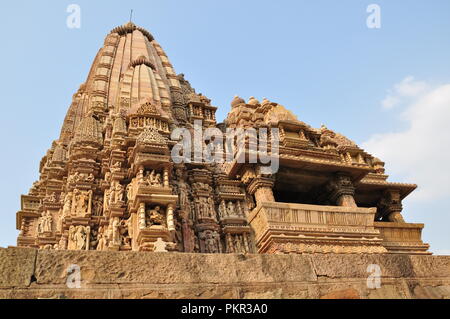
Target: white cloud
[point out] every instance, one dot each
(406, 89)
(420, 153)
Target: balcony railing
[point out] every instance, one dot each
(314, 228)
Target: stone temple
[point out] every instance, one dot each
(110, 183)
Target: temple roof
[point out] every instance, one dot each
(130, 69)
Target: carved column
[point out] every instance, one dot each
(166, 177)
(142, 223)
(341, 190)
(170, 220)
(261, 188)
(390, 206)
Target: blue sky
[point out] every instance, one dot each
(317, 58)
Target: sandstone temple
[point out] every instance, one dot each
(109, 181)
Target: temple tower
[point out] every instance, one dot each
(110, 181)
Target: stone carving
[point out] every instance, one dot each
(205, 208)
(110, 183)
(81, 203)
(102, 240)
(153, 179)
(119, 193)
(237, 243)
(45, 223)
(98, 206)
(211, 242)
(78, 237)
(151, 135)
(50, 198)
(160, 246)
(155, 216)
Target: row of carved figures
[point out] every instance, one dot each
(116, 234)
(205, 208)
(149, 122)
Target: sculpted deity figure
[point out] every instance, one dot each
(230, 209)
(67, 204)
(80, 238)
(98, 206)
(62, 244)
(240, 210)
(211, 207)
(102, 239)
(51, 198)
(40, 228)
(230, 245)
(155, 216)
(211, 244)
(153, 178)
(129, 190)
(183, 196)
(157, 180)
(102, 242)
(116, 167)
(71, 238)
(90, 178)
(239, 247)
(198, 208)
(222, 209)
(112, 195)
(106, 199)
(126, 231)
(47, 222)
(119, 193)
(82, 200)
(116, 240)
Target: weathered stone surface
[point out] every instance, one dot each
(355, 265)
(432, 266)
(29, 273)
(107, 267)
(16, 267)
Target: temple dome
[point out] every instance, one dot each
(130, 27)
(236, 101)
(130, 69)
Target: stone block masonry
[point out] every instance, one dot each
(32, 273)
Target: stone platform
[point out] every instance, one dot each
(30, 273)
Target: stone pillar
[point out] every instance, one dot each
(166, 177)
(141, 219)
(261, 188)
(341, 190)
(390, 206)
(170, 221)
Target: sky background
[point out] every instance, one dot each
(387, 89)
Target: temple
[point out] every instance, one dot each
(110, 182)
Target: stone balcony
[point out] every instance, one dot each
(301, 228)
(403, 238)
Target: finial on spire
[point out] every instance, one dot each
(131, 15)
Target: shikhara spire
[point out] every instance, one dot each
(109, 182)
